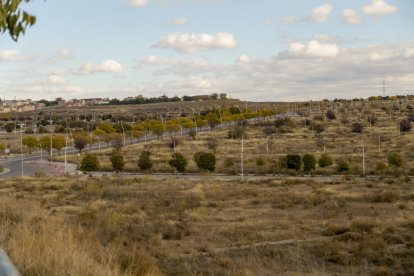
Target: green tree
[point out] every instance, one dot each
(178, 161)
(144, 161)
(309, 162)
(30, 142)
(13, 19)
(10, 127)
(325, 161)
(106, 127)
(117, 160)
(89, 163)
(293, 162)
(205, 161)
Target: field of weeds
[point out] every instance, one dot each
(147, 226)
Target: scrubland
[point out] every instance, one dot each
(148, 226)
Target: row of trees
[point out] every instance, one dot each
(205, 161)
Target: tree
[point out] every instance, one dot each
(58, 142)
(319, 128)
(309, 162)
(80, 143)
(13, 19)
(395, 159)
(10, 127)
(212, 144)
(117, 160)
(205, 161)
(236, 132)
(330, 115)
(357, 128)
(144, 161)
(178, 161)
(405, 126)
(293, 161)
(89, 163)
(30, 142)
(106, 127)
(325, 161)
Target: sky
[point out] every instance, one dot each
(259, 50)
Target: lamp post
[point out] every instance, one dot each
(21, 146)
(51, 139)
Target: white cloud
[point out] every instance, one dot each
(138, 3)
(64, 53)
(12, 55)
(191, 43)
(179, 21)
(379, 7)
(73, 89)
(244, 59)
(56, 79)
(350, 16)
(321, 13)
(107, 66)
(409, 52)
(313, 48)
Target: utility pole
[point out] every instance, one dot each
(241, 159)
(21, 146)
(51, 139)
(123, 132)
(379, 143)
(66, 146)
(363, 157)
(384, 86)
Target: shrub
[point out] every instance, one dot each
(89, 163)
(117, 160)
(144, 161)
(325, 161)
(205, 161)
(319, 128)
(173, 143)
(228, 163)
(293, 162)
(357, 128)
(212, 144)
(372, 120)
(330, 115)
(405, 126)
(395, 160)
(344, 120)
(237, 132)
(309, 162)
(342, 166)
(178, 161)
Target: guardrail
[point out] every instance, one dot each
(6, 266)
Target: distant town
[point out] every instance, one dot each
(10, 106)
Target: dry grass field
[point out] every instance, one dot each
(144, 226)
(294, 137)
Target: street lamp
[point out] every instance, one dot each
(51, 139)
(21, 146)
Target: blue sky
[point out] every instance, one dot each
(255, 50)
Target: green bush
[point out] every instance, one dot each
(144, 161)
(395, 160)
(293, 162)
(89, 163)
(342, 166)
(178, 162)
(325, 161)
(117, 160)
(205, 161)
(309, 162)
